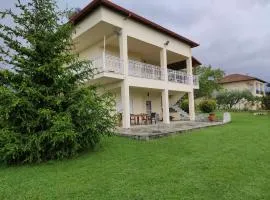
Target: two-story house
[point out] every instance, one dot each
(244, 82)
(146, 66)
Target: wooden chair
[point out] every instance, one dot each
(144, 119)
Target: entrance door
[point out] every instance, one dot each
(148, 107)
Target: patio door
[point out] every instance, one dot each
(148, 107)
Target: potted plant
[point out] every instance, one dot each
(209, 106)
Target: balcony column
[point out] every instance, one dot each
(165, 92)
(191, 104)
(189, 70)
(165, 106)
(190, 94)
(163, 63)
(123, 46)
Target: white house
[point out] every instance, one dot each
(241, 82)
(148, 67)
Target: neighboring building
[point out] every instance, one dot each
(244, 82)
(146, 66)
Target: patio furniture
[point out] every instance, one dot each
(153, 118)
(144, 119)
(132, 119)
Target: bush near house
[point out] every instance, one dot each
(266, 102)
(185, 105)
(208, 106)
(228, 99)
(46, 111)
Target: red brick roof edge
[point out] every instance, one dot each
(238, 78)
(96, 3)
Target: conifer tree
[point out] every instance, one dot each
(47, 111)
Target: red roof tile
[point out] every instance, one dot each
(238, 78)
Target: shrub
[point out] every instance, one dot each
(185, 105)
(208, 106)
(228, 99)
(266, 102)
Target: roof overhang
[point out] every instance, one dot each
(108, 4)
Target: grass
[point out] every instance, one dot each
(228, 162)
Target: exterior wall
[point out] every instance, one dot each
(246, 85)
(252, 86)
(90, 21)
(144, 33)
(91, 52)
(97, 50)
(138, 98)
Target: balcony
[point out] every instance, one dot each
(113, 64)
(108, 63)
(143, 70)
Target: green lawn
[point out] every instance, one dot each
(228, 162)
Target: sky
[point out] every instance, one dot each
(234, 35)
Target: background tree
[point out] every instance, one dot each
(266, 102)
(267, 90)
(208, 79)
(228, 99)
(46, 110)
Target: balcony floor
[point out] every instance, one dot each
(147, 132)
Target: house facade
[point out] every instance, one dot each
(148, 68)
(242, 82)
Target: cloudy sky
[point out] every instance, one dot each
(233, 34)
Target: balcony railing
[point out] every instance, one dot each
(196, 80)
(108, 63)
(143, 70)
(113, 64)
(178, 77)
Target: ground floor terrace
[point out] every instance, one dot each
(148, 106)
(154, 131)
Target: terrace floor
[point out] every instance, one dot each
(146, 132)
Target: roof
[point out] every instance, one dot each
(238, 78)
(195, 62)
(97, 3)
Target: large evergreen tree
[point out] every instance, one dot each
(46, 109)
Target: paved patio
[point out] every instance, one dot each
(146, 132)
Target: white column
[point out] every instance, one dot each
(190, 94)
(191, 105)
(189, 70)
(123, 46)
(163, 63)
(125, 104)
(165, 106)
